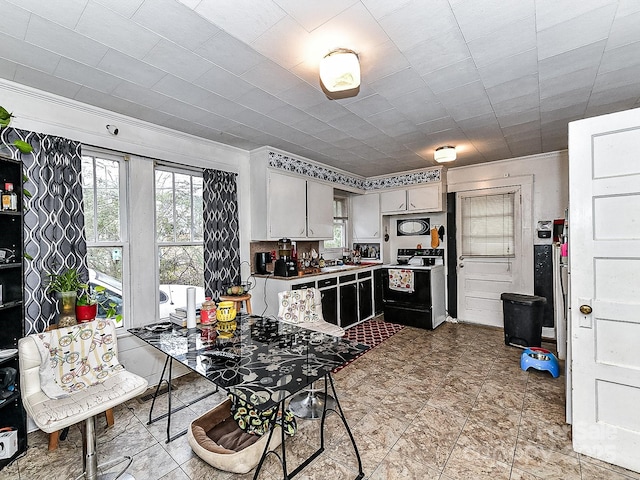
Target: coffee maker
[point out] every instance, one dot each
(262, 259)
(286, 265)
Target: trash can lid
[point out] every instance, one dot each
(522, 298)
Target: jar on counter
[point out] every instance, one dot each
(208, 312)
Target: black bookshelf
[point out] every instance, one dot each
(12, 414)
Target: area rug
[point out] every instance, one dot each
(372, 332)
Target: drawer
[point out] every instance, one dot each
(327, 282)
(298, 286)
(348, 278)
(364, 274)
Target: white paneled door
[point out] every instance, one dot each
(604, 261)
(482, 277)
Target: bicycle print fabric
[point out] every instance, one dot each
(74, 358)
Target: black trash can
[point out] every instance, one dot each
(523, 316)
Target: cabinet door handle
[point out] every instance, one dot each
(375, 234)
(401, 206)
(413, 205)
(302, 231)
(311, 230)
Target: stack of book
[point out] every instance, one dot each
(179, 317)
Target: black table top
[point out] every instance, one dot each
(272, 360)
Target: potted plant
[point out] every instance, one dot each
(88, 301)
(65, 285)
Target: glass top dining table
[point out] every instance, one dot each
(264, 362)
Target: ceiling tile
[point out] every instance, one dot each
(126, 8)
(128, 68)
(509, 40)
(115, 104)
(285, 32)
(183, 110)
(397, 84)
(229, 53)
(260, 101)
(62, 12)
(326, 111)
(7, 69)
(517, 87)
(507, 69)
(369, 105)
(392, 123)
(621, 57)
(26, 54)
(438, 52)
(452, 76)
(477, 19)
(244, 19)
(87, 76)
(14, 19)
(464, 94)
(223, 83)
(302, 96)
(624, 30)
(176, 22)
(473, 108)
(136, 93)
(579, 31)
(516, 118)
(171, 58)
(577, 97)
(610, 81)
(627, 94)
(288, 115)
(109, 28)
(313, 14)
(270, 77)
(412, 23)
(572, 61)
(380, 8)
(550, 13)
(37, 79)
(381, 61)
(180, 89)
(437, 125)
(560, 85)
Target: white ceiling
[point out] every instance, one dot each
(496, 78)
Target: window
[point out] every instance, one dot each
(488, 225)
(179, 233)
(340, 218)
(104, 195)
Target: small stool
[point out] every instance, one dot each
(540, 359)
(238, 299)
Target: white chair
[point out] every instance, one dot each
(303, 308)
(71, 375)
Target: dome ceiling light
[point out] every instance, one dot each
(340, 70)
(445, 154)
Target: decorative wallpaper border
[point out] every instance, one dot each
(300, 167)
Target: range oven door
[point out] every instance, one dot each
(419, 298)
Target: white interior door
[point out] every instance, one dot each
(604, 261)
(481, 280)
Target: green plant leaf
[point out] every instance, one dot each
(24, 147)
(27, 256)
(4, 122)
(4, 114)
(27, 193)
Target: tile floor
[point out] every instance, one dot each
(448, 404)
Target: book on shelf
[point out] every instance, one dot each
(180, 320)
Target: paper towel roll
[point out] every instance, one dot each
(191, 307)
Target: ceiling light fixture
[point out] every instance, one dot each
(340, 70)
(445, 154)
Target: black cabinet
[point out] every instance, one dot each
(348, 304)
(330, 304)
(378, 282)
(365, 305)
(12, 413)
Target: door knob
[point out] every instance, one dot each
(585, 309)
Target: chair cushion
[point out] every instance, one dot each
(76, 357)
(300, 306)
(51, 414)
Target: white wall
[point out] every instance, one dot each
(42, 112)
(550, 195)
(550, 182)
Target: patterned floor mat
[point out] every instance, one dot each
(372, 332)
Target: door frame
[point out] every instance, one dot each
(525, 184)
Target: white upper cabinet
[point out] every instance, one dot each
(365, 216)
(319, 210)
(287, 213)
(393, 201)
(426, 198)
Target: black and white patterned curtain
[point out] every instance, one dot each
(54, 238)
(221, 234)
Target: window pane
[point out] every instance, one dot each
(105, 270)
(182, 265)
(87, 198)
(164, 206)
(182, 200)
(107, 179)
(488, 225)
(198, 223)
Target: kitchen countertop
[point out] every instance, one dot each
(326, 271)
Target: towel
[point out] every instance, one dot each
(73, 358)
(401, 280)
